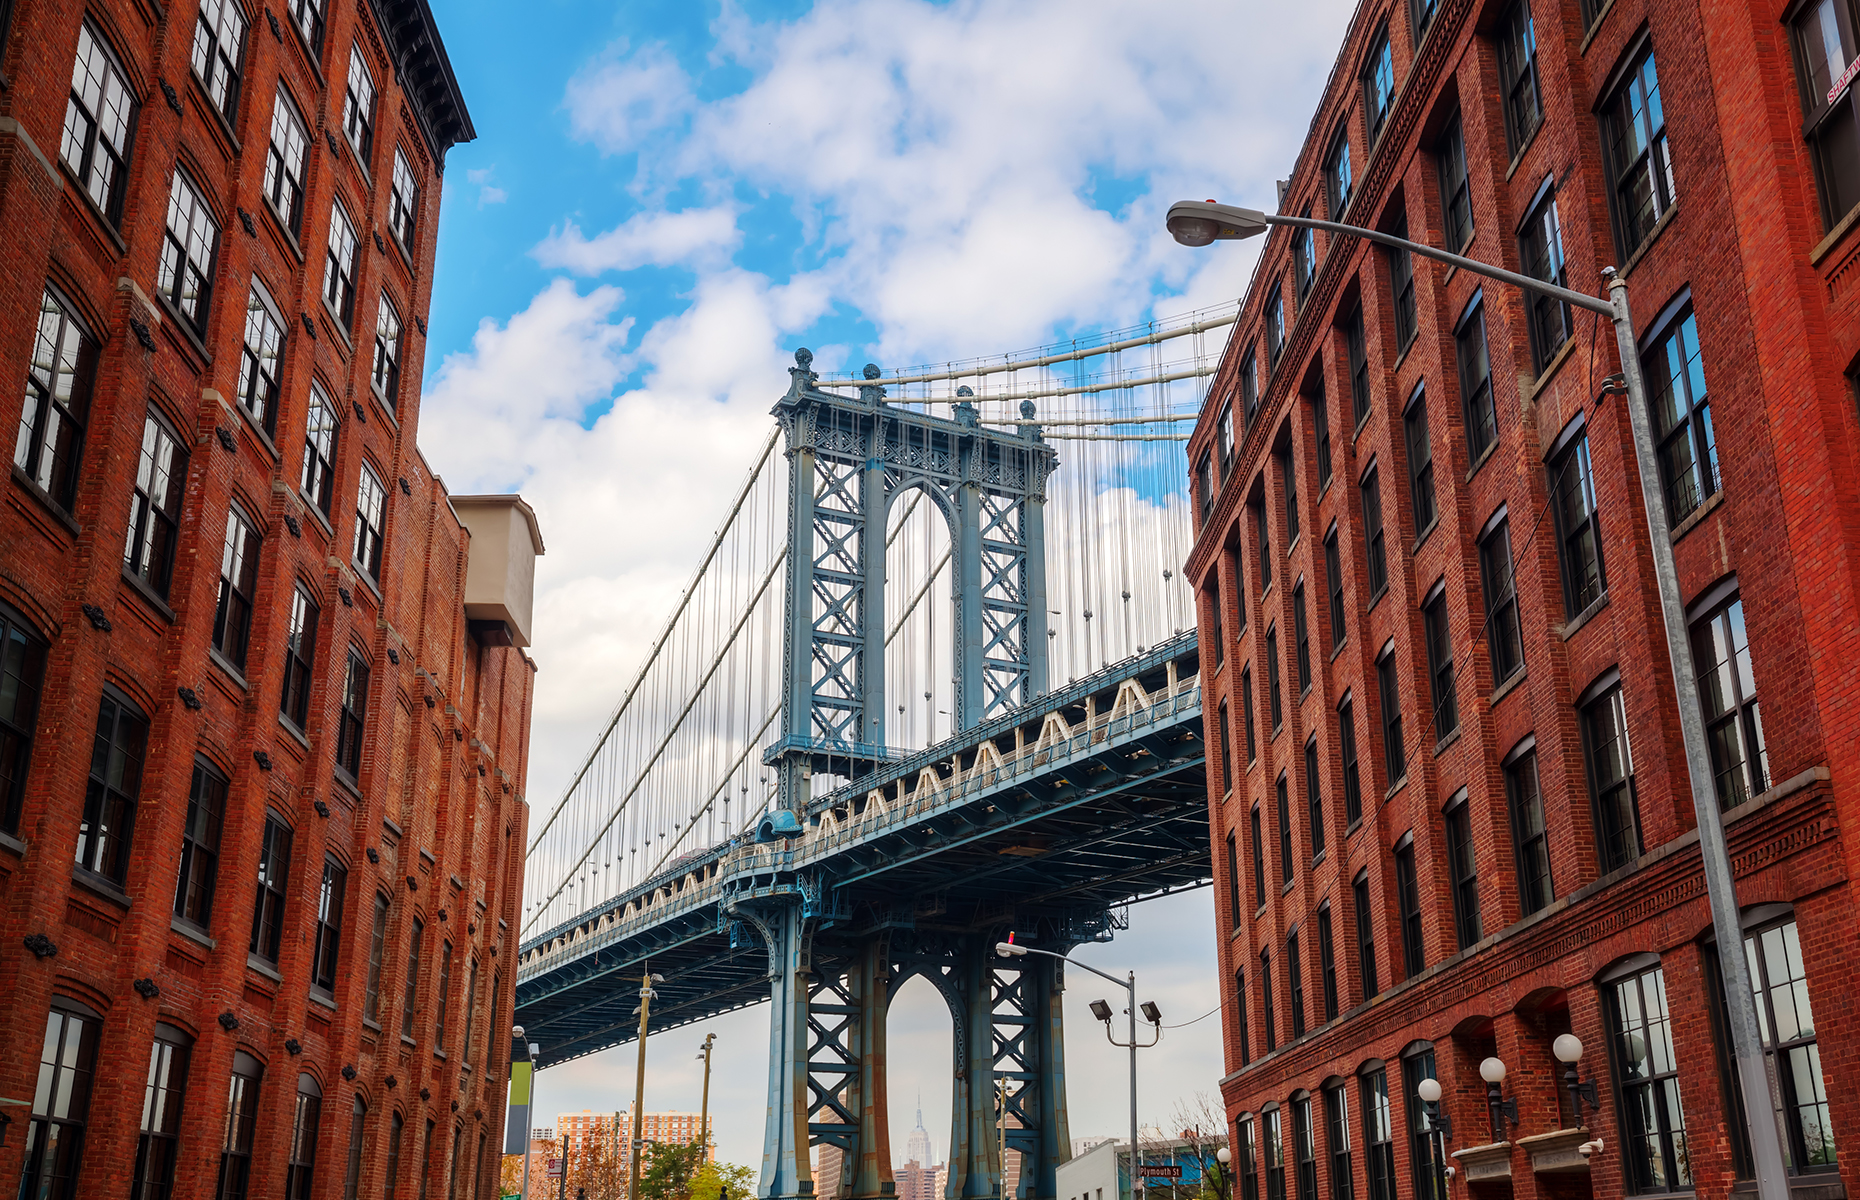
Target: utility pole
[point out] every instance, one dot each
(646, 996)
(704, 1107)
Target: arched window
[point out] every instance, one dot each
(241, 1112)
(301, 1169)
(161, 1114)
(22, 671)
(61, 1107)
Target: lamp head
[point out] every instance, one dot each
(1101, 1010)
(1151, 1013)
(1223, 1156)
(1492, 1070)
(1201, 222)
(516, 1031)
(1010, 950)
(1428, 1090)
(1567, 1047)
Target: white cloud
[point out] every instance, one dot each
(622, 98)
(488, 192)
(659, 239)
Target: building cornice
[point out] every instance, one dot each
(424, 73)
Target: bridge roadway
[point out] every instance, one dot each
(1043, 821)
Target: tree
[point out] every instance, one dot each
(1203, 1125)
(510, 1177)
(671, 1170)
(715, 1177)
(597, 1167)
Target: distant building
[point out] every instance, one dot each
(917, 1147)
(1171, 1170)
(585, 1127)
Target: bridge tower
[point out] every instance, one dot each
(850, 458)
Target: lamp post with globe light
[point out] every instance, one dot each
(1439, 1129)
(1201, 223)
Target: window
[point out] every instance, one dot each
(403, 202)
(1314, 798)
(426, 1158)
(1372, 533)
(1455, 192)
(1295, 979)
(284, 163)
(100, 118)
(1264, 544)
(1824, 50)
(1272, 678)
(1394, 754)
(1440, 665)
(1728, 691)
(1320, 431)
(22, 671)
(1464, 865)
(115, 784)
(328, 925)
(1246, 706)
(1333, 575)
(319, 472)
(1220, 633)
(377, 945)
(370, 521)
(1265, 991)
(1529, 839)
(1233, 881)
(162, 1096)
(259, 358)
(1304, 258)
(1246, 1051)
(155, 508)
(1476, 382)
(354, 708)
(1502, 635)
(185, 274)
(1275, 328)
(1401, 288)
(274, 868)
(219, 39)
(387, 352)
(396, 1126)
(358, 1123)
(1647, 1074)
(1416, 1065)
(1420, 463)
(61, 1102)
(1225, 434)
(1249, 389)
(339, 266)
(1227, 768)
(1789, 1047)
(51, 426)
(1337, 1141)
(1259, 859)
(1611, 779)
(1274, 1140)
(471, 1008)
(1204, 490)
(1304, 1148)
(1288, 483)
(300, 1171)
(1408, 892)
(408, 1005)
(1327, 960)
(358, 106)
(1540, 251)
(1378, 1135)
(307, 15)
(443, 997)
(1365, 935)
(1346, 745)
(1517, 72)
(1249, 1161)
(299, 656)
(1681, 418)
(1378, 87)
(1285, 829)
(1359, 366)
(1640, 164)
(1579, 538)
(1337, 175)
(232, 619)
(241, 1115)
(200, 846)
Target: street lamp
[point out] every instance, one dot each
(1439, 1129)
(1568, 1048)
(1492, 1070)
(1224, 1188)
(1200, 223)
(1102, 1011)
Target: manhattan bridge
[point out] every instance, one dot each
(933, 680)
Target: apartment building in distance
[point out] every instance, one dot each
(265, 710)
(1449, 803)
(612, 1130)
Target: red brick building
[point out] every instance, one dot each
(1448, 798)
(264, 709)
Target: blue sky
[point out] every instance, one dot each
(666, 198)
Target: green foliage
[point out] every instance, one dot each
(716, 1176)
(671, 1169)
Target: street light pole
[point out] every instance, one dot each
(704, 1107)
(1195, 223)
(646, 995)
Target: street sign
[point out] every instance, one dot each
(555, 1168)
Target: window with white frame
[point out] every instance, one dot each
(185, 274)
(100, 119)
(358, 106)
(219, 42)
(284, 162)
(340, 264)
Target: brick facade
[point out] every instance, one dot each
(399, 776)
(1745, 252)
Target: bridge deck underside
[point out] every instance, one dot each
(1047, 853)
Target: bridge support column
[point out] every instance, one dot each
(786, 1171)
(1030, 1054)
(971, 688)
(846, 1103)
(1033, 537)
(974, 1155)
(872, 596)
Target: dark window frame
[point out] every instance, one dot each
(1378, 1133)
(1356, 348)
(1517, 69)
(190, 254)
(322, 428)
(200, 845)
(113, 793)
(1333, 577)
(1276, 702)
(261, 357)
(1401, 290)
(52, 425)
(1327, 960)
(1679, 401)
(1375, 550)
(287, 154)
(1320, 432)
(83, 137)
(1828, 129)
(326, 946)
(353, 718)
(1378, 80)
(238, 587)
(1504, 634)
(299, 657)
(60, 1114)
(1472, 354)
(23, 651)
(1728, 696)
(1425, 505)
(220, 76)
(1444, 687)
(1578, 524)
(1337, 1142)
(1648, 1084)
(1388, 689)
(1295, 982)
(1463, 870)
(1530, 836)
(154, 529)
(243, 1084)
(1636, 154)
(1455, 185)
(1408, 898)
(1362, 902)
(164, 1095)
(1346, 745)
(306, 1118)
(274, 868)
(1314, 798)
(1287, 857)
(1337, 178)
(1540, 255)
(1614, 800)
